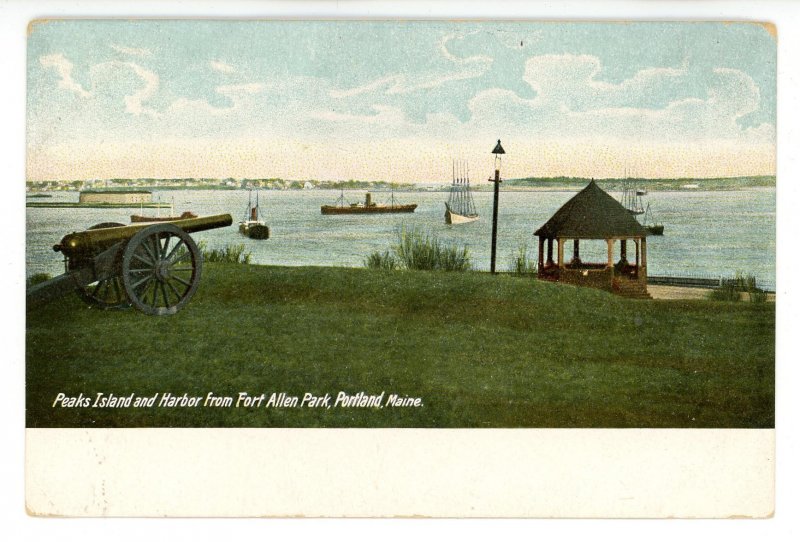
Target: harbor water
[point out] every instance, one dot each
(706, 234)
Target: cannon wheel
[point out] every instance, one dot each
(161, 268)
(108, 293)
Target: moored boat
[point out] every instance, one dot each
(368, 207)
(142, 218)
(460, 207)
(650, 224)
(252, 226)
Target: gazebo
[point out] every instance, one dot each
(592, 214)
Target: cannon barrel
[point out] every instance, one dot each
(94, 241)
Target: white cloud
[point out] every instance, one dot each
(476, 59)
(572, 80)
(134, 102)
(736, 90)
(468, 68)
(247, 88)
(234, 92)
(384, 116)
(369, 87)
(222, 67)
(656, 105)
(133, 51)
(64, 69)
(402, 84)
(406, 85)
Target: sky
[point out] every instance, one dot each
(398, 101)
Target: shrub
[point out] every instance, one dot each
(423, 251)
(227, 254)
(744, 283)
(731, 289)
(381, 260)
(521, 263)
(726, 292)
(38, 278)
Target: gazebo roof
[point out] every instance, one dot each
(592, 214)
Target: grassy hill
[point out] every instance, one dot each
(479, 350)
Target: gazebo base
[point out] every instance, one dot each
(603, 278)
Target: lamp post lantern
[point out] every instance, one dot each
(498, 150)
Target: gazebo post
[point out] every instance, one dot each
(560, 252)
(549, 251)
(610, 243)
(541, 253)
(637, 253)
(644, 255)
(623, 250)
(576, 256)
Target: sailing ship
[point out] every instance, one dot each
(368, 207)
(252, 226)
(650, 224)
(632, 199)
(460, 207)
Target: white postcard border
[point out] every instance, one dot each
(12, 133)
(626, 473)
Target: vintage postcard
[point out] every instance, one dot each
(400, 268)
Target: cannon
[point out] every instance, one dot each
(152, 267)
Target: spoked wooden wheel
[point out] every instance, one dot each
(106, 293)
(161, 269)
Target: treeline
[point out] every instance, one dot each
(715, 183)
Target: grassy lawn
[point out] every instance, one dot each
(480, 351)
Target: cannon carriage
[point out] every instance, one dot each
(153, 267)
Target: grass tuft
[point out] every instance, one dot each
(732, 289)
(227, 254)
(381, 260)
(38, 278)
(420, 250)
(521, 264)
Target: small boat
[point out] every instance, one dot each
(252, 226)
(460, 207)
(142, 218)
(649, 223)
(368, 207)
(158, 218)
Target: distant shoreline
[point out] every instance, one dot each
(559, 184)
(78, 205)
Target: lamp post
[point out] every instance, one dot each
(498, 150)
